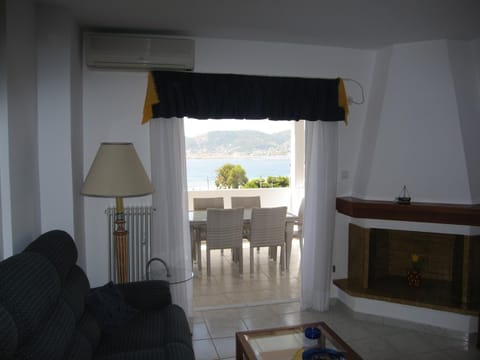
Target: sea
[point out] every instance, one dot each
(201, 172)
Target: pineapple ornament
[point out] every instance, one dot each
(414, 275)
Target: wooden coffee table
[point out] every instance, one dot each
(285, 342)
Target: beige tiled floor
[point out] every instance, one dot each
(228, 302)
(226, 287)
(214, 333)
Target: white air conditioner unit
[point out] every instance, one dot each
(145, 52)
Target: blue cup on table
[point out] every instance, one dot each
(312, 334)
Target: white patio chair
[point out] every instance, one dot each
(200, 234)
(208, 203)
(267, 228)
(224, 231)
(248, 202)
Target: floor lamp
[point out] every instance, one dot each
(118, 172)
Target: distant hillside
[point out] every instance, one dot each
(238, 143)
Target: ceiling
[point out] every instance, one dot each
(359, 24)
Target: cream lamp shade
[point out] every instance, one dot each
(117, 172)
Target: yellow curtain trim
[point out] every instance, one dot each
(342, 99)
(151, 98)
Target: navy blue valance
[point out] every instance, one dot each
(230, 96)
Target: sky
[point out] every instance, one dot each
(194, 127)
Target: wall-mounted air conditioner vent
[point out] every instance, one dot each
(149, 52)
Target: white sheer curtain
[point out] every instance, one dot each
(170, 228)
(319, 216)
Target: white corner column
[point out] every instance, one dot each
(60, 138)
(19, 191)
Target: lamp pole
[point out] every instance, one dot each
(121, 242)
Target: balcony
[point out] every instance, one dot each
(226, 287)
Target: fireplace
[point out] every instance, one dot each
(378, 259)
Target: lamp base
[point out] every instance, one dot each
(121, 251)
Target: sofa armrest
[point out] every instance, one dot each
(146, 295)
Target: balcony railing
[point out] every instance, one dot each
(270, 197)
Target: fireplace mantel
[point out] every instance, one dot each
(456, 214)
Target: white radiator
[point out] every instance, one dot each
(138, 223)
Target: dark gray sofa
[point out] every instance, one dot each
(48, 311)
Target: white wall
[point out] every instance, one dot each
(369, 133)
(113, 105)
(418, 134)
(464, 71)
(18, 124)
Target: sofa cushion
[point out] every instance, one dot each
(90, 328)
(52, 337)
(59, 248)
(146, 295)
(75, 289)
(80, 349)
(109, 307)
(149, 330)
(29, 291)
(8, 334)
